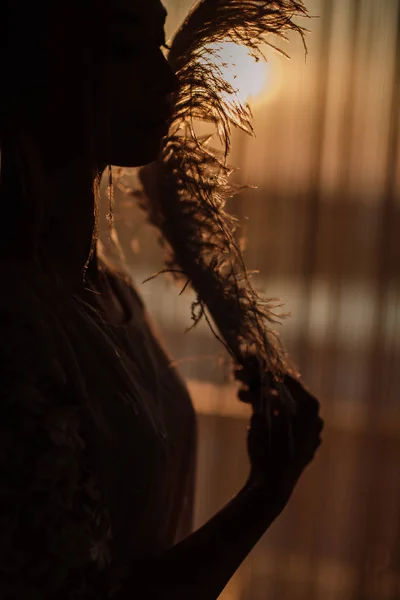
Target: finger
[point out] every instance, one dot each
(307, 430)
(320, 426)
(286, 397)
(303, 398)
(240, 374)
(299, 389)
(314, 449)
(307, 454)
(245, 396)
(280, 419)
(245, 373)
(253, 375)
(249, 396)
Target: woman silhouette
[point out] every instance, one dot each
(97, 431)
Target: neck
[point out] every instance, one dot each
(72, 226)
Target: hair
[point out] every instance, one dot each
(47, 336)
(60, 327)
(27, 207)
(28, 210)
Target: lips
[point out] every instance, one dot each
(161, 112)
(159, 122)
(157, 119)
(160, 127)
(161, 118)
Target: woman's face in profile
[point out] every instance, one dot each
(135, 82)
(88, 74)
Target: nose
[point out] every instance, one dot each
(167, 80)
(174, 80)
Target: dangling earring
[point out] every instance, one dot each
(111, 200)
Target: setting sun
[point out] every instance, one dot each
(249, 78)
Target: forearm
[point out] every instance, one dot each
(201, 565)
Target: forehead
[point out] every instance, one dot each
(142, 10)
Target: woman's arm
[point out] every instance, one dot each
(201, 565)
(46, 549)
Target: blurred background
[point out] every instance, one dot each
(323, 228)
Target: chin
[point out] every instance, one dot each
(135, 154)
